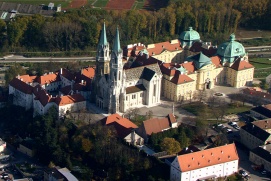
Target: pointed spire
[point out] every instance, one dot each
(103, 39)
(116, 46)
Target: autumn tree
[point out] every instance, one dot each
(170, 145)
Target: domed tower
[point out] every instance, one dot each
(230, 50)
(189, 37)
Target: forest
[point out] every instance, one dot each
(78, 30)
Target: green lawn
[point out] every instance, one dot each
(260, 62)
(101, 3)
(198, 109)
(64, 3)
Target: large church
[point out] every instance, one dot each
(118, 90)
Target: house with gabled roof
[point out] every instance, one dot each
(261, 112)
(156, 125)
(206, 164)
(261, 156)
(256, 134)
(124, 127)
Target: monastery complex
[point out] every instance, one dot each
(137, 75)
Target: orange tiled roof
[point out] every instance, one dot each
(189, 66)
(122, 125)
(216, 61)
(47, 79)
(209, 157)
(181, 78)
(241, 65)
(69, 99)
(88, 72)
(160, 47)
(120, 120)
(27, 78)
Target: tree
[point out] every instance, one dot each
(170, 145)
(13, 71)
(86, 145)
(183, 139)
(149, 114)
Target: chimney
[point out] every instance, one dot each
(60, 71)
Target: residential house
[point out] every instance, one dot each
(261, 112)
(156, 125)
(59, 174)
(256, 133)
(206, 164)
(125, 129)
(261, 156)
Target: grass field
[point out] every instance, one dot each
(100, 3)
(262, 67)
(64, 3)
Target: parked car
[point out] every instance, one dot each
(263, 172)
(243, 173)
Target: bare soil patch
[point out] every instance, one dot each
(77, 3)
(120, 4)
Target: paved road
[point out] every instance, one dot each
(17, 58)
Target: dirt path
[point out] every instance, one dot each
(77, 4)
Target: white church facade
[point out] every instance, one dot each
(116, 89)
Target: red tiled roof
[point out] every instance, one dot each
(209, 157)
(122, 125)
(189, 66)
(160, 47)
(216, 61)
(256, 92)
(198, 47)
(67, 74)
(167, 68)
(47, 79)
(21, 86)
(156, 125)
(143, 60)
(42, 95)
(69, 99)
(241, 65)
(180, 78)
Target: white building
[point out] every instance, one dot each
(211, 163)
(118, 90)
(71, 90)
(3, 145)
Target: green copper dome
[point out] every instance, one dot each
(190, 35)
(231, 49)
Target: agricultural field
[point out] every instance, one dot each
(64, 3)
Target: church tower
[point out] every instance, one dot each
(102, 57)
(116, 75)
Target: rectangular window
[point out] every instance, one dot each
(154, 90)
(141, 94)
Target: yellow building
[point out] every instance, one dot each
(225, 65)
